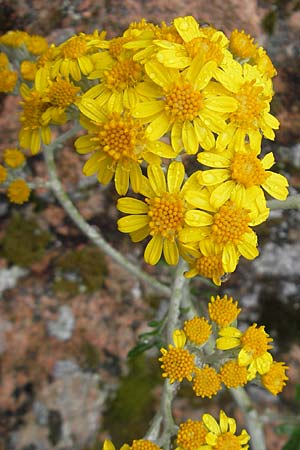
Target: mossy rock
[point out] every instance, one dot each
(24, 242)
(83, 269)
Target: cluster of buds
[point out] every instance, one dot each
(212, 353)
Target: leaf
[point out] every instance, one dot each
(140, 348)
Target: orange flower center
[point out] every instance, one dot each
(177, 364)
(62, 93)
(210, 266)
(182, 102)
(191, 434)
(251, 104)
(210, 51)
(248, 170)
(228, 441)
(74, 48)
(33, 108)
(230, 223)
(255, 341)
(124, 74)
(166, 215)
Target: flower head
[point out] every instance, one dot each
(13, 157)
(206, 382)
(223, 310)
(191, 434)
(197, 330)
(177, 362)
(254, 344)
(275, 379)
(242, 45)
(239, 171)
(221, 436)
(233, 375)
(161, 215)
(18, 192)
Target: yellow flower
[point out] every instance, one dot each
(254, 344)
(275, 379)
(240, 170)
(264, 64)
(34, 129)
(183, 106)
(241, 44)
(28, 70)
(227, 227)
(161, 215)
(206, 382)
(191, 435)
(177, 362)
(119, 145)
(205, 261)
(223, 310)
(74, 56)
(233, 375)
(36, 44)
(3, 173)
(14, 38)
(18, 192)
(13, 157)
(141, 444)
(222, 436)
(197, 330)
(8, 80)
(251, 119)
(206, 43)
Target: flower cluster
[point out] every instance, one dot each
(204, 434)
(148, 100)
(211, 353)
(11, 176)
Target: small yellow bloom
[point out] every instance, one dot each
(13, 157)
(14, 38)
(241, 44)
(254, 344)
(142, 444)
(36, 44)
(275, 379)
(197, 330)
(18, 192)
(177, 362)
(206, 382)
(221, 436)
(28, 70)
(239, 171)
(223, 310)
(233, 375)
(8, 80)
(191, 435)
(3, 173)
(161, 215)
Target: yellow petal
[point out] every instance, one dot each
(148, 109)
(158, 127)
(223, 422)
(179, 338)
(187, 27)
(160, 74)
(132, 206)
(213, 160)
(230, 258)
(175, 176)
(211, 423)
(276, 186)
(268, 161)
(226, 343)
(171, 253)
(189, 138)
(213, 176)
(135, 175)
(153, 250)
(222, 104)
(176, 139)
(121, 179)
(108, 445)
(91, 109)
(157, 179)
(222, 193)
(139, 235)
(161, 149)
(199, 199)
(132, 223)
(196, 218)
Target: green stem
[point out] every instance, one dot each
(93, 234)
(253, 422)
(292, 202)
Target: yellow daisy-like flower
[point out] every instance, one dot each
(161, 215)
(228, 227)
(221, 436)
(36, 44)
(233, 375)
(206, 382)
(223, 310)
(14, 38)
(275, 379)
(197, 330)
(183, 106)
(206, 43)
(74, 56)
(251, 119)
(191, 435)
(8, 80)
(177, 362)
(58, 95)
(18, 191)
(264, 63)
(34, 129)
(13, 157)
(3, 173)
(118, 144)
(254, 344)
(240, 170)
(242, 45)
